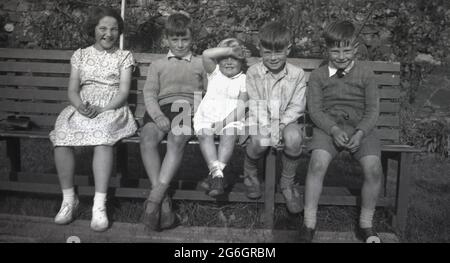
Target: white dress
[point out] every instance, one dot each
(99, 80)
(220, 100)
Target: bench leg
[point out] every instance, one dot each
(401, 209)
(385, 165)
(13, 152)
(269, 189)
(122, 164)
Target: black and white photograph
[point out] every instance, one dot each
(197, 123)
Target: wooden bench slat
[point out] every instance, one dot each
(34, 67)
(387, 134)
(390, 93)
(379, 66)
(388, 121)
(54, 82)
(382, 80)
(389, 107)
(35, 54)
(40, 107)
(387, 80)
(385, 93)
(399, 148)
(306, 64)
(33, 94)
(40, 121)
(33, 134)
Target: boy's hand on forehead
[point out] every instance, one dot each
(237, 52)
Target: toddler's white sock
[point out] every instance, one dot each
(214, 169)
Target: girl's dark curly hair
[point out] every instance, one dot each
(98, 13)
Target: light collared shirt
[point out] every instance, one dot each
(275, 99)
(188, 57)
(332, 70)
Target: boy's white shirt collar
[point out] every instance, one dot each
(188, 57)
(333, 70)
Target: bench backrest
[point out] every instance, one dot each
(33, 83)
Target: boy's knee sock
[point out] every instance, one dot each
(366, 217)
(68, 195)
(310, 218)
(158, 192)
(99, 200)
(250, 166)
(289, 166)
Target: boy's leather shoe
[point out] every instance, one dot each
(368, 235)
(151, 215)
(168, 218)
(306, 234)
(293, 199)
(216, 186)
(253, 187)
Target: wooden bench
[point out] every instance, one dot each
(33, 84)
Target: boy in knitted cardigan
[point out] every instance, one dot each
(343, 102)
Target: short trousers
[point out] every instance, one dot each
(370, 144)
(166, 110)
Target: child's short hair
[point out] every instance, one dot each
(274, 36)
(340, 33)
(96, 14)
(177, 25)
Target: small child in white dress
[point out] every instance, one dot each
(222, 109)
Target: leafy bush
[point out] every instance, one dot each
(433, 136)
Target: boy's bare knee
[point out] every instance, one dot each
(259, 142)
(292, 138)
(177, 141)
(257, 146)
(373, 171)
(150, 136)
(317, 166)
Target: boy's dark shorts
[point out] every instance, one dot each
(370, 144)
(166, 110)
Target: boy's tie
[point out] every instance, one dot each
(340, 73)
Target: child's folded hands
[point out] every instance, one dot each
(163, 123)
(340, 137)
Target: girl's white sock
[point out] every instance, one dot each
(68, 195)
(99, 200)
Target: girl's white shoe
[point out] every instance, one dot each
(67, 212)
(99, 220)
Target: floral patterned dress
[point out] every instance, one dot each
(99, 79)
